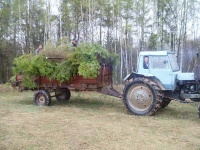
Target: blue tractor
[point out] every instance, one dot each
(157, 81)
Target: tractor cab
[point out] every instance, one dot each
(161, 65)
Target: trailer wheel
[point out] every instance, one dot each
(165, 102)
(42, 98)
(62, 94)
(142, 97)
(49, 95)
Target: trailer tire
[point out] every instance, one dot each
(49, 95)
(142, 97)
(42, 98)
(165, 102)
(62, 94)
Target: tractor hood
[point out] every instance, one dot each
(185, 76)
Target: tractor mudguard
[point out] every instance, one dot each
(135, 75)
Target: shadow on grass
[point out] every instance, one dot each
(176, 112)
(93, 103)
(26, 101)
(98, 102)
(83, 102)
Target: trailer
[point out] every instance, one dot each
(47, 88)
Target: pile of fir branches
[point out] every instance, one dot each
(63, 63)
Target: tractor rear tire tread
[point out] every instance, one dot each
(165, 102)
(156, 89)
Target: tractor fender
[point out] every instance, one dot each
(135, 75)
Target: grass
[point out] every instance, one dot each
(93, 121)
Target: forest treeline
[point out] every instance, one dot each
(125, 27)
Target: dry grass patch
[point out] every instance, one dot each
(94, 121)
(6, 88)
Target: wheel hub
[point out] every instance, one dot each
(140, 97)
(41, 99)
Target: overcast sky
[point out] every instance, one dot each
(54, 6)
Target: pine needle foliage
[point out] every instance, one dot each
(84, 60)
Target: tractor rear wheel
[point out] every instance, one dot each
(165, 102)
(142, 97)
(62, 94)
(42, 98)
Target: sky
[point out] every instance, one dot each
(54, 6)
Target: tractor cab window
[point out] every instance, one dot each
(173, 61)
(160, 62)
(146, 62)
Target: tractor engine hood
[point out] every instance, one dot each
(185, 76)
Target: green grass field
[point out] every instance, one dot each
(93, 121)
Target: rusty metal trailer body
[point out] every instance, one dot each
(102, 83)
